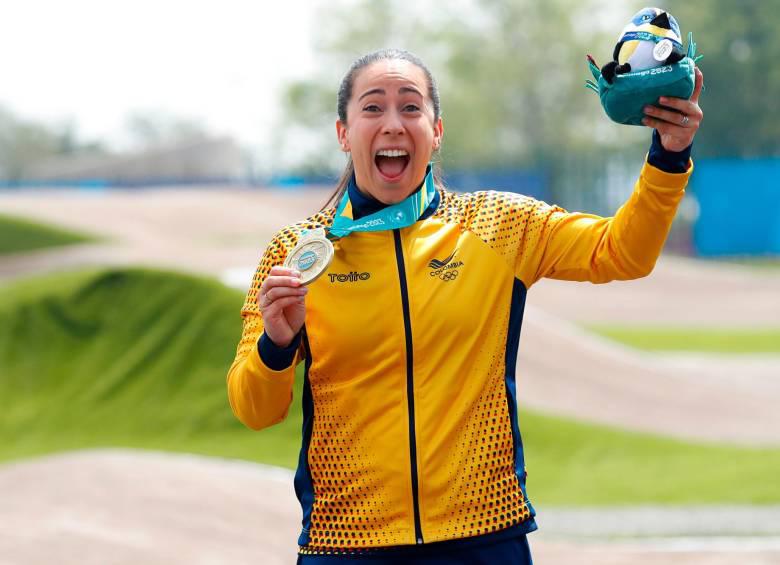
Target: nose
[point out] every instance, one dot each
(392, 124)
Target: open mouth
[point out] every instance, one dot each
(391, 163)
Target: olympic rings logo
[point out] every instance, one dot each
(449, 276)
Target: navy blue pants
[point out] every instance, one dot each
(513, 551)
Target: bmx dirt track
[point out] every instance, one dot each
(145, 508)
(561, 369)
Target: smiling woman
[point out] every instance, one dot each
(390, 127)
(411, 449)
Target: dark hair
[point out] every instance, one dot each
(345, 94)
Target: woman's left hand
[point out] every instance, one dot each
(678, 119)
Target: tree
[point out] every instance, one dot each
(347, 30)
(741, 101)
(511, 74)
(25, 144)
(515, 82)
(22, 144)
(149, 129)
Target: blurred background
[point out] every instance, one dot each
(149, 151)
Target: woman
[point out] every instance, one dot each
(411, 448)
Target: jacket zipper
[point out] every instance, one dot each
(399, 255)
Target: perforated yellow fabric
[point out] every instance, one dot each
(543, 240)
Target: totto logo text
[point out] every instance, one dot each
(354, 276)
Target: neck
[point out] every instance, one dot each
(356, 205)
(364, 203)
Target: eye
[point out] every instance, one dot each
(411, 108)
(372, 108)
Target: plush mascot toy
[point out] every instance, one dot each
(649, 61)
(652, 39)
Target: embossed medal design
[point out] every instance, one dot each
(311, 257)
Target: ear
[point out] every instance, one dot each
(438, 134)
(341, 134)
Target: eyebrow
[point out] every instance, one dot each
(402, 90)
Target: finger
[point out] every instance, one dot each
(278, 305)
(276, 281)
(666, 128)
(284, 271)
(689, 122)
(662, 126)
(698, 86)
(666, 115)
(284, 291)
(679, 104)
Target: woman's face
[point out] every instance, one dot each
(390, 129)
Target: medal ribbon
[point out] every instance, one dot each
(647, 36)
(399, 215)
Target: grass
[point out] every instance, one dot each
(710, 340)
(17, 235)
(138, 358)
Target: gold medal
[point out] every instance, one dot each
(311, 256)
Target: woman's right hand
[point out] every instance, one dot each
(281, 300)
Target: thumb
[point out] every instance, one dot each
(698, 86)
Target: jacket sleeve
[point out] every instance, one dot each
(584, 247)
(259, 395)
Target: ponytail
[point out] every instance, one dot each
(341, 186)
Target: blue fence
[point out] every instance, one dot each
(530, 183)
(739, 207)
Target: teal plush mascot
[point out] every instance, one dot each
(648, 62)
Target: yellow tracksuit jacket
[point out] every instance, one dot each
(410, 421)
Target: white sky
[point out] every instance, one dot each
(93, 62)
(219, 62)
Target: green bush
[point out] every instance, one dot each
(17, 235)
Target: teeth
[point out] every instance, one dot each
(392, 153)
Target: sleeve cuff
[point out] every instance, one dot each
(668, 161)
(274, 357)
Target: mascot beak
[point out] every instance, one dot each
(662, 21)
